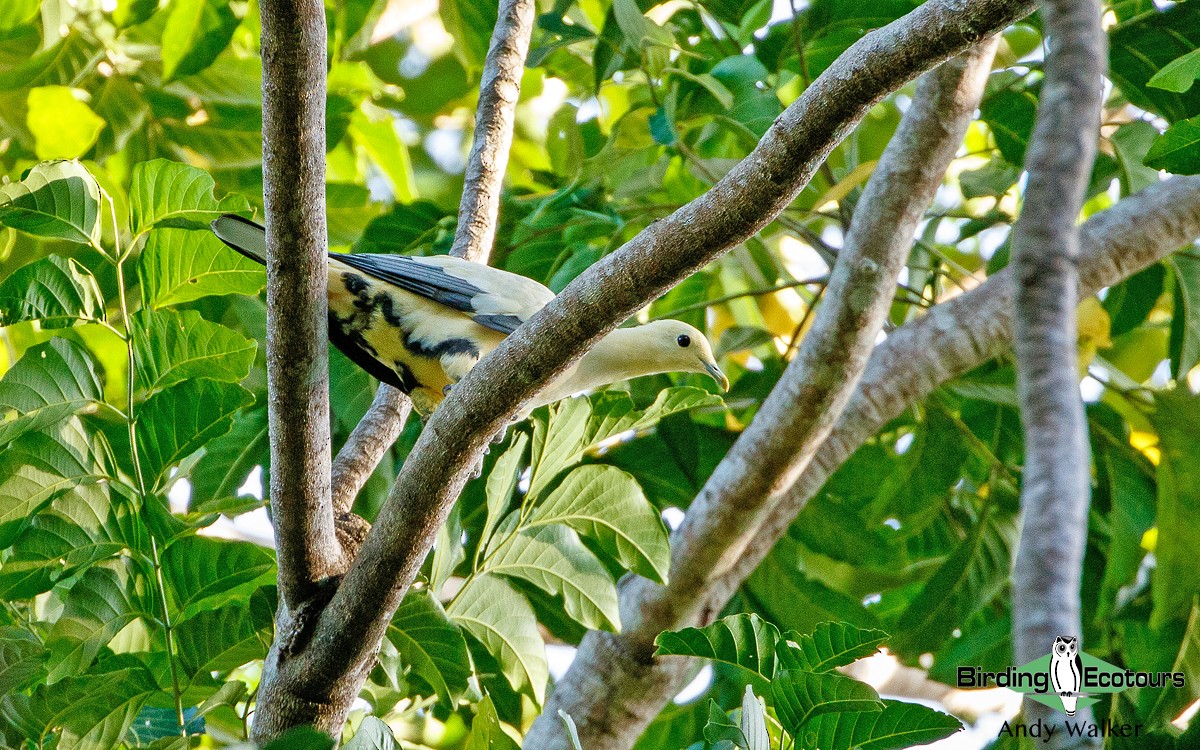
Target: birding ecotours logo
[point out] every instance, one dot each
(1066, 679)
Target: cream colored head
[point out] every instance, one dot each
(675, 346)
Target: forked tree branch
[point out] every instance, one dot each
(349, 629)
(293, 51)
(478, 216)
(791, 424)
(1056, 480)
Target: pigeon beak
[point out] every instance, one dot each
(717, 375)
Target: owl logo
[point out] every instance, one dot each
(1066, 671)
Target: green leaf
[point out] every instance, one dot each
(553, 559)
(171, 194)
(722, 731)
(90, 522)
(49, 383)
(744, 640)
(501, 481)
(229, 459)
(54, 290)
(471, 24)
(171, 347)
(969, 579)
(372, 734)
(382, 143)
(132, 12)
(898, 725)
(63, 126)
(21, 657)
(1010, 113)
(572, 732)
(97, 607)
(605, 504)
(178, 421)
(486, 732)
(196, 32)
(218, 640)
(1173, 700)
(1179, 74)
(801, 696)
(17, 13)
(830, 645)
(180, 265)
(38, 468)
(1142, 47)
(63, 64)
(502, 620)
(1176, 579)
(1131, 142)
(57, 200)
(92, 712)
(203, 573)
(1178, 149)
(993, 179)
(431, 645)
(579, 426)
(1184, 343)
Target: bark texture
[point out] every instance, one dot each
(293, 52)
(789, 428)
(479, 209)
(348, 631)
(1056, 481)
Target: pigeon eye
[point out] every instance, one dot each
(684, 340)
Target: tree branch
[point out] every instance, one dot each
(293, 51)
(479, 210)
(954, 338)
(1056, 486)
(350, 628)
(791, 424)
(478, 216)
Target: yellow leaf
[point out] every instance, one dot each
(63, 126)
(839, 191)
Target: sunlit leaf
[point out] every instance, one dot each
(1178, 149)
(181, 265)
(50, 383)
(175, 346)
(372, 734)
(63, 126)
(98, 606)
(744, 640)
(471, 24)
(178, 421)
(1184, 344)
(1177, 577)
(898, 725)
(830, 645)
(501, 619)
(55, 290)
(431, 645)
(38, 468)
(58, 199)
(553, 559)
(229, 459)
(486, 732)
(196, 32)
(203, 574)
(220, 639)
(605, 504)
(171, 194)
(801, 696)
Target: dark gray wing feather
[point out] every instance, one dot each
(413, 276)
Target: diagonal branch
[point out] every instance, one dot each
(792, 423)
(479, 209)
(293, 51)
(746, 199)
(478, 216)
(1056, 485)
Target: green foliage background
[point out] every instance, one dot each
(132, 360)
